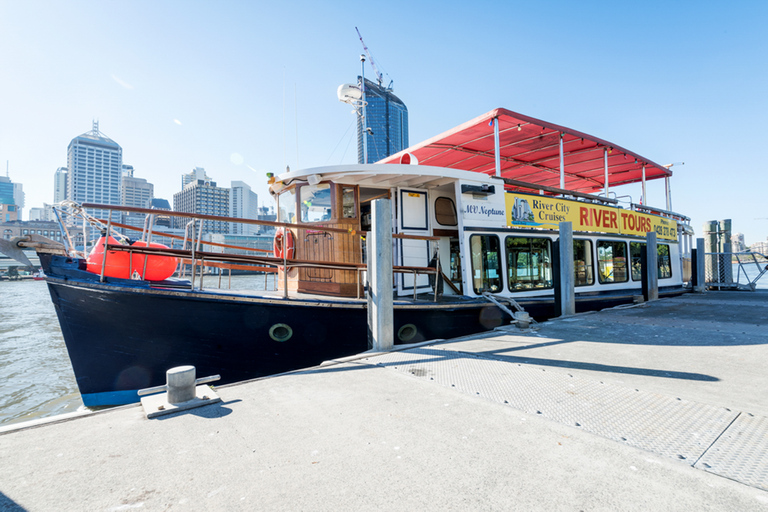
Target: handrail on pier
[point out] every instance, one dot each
(718, 268)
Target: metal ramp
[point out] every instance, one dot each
(720, 268)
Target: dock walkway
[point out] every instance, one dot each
(663, 406)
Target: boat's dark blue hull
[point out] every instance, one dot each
(123, 335)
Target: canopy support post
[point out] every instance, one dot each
(605, 159)
(644, 199)
(496, 148)
(669, 193)
(562, 163)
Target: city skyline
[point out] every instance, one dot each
(243, 89)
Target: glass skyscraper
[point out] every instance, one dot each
(6, 191)
(387, 122)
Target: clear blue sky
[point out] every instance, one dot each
(243, 88)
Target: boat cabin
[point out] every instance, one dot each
(484, 238)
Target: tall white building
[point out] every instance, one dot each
(18, 197)
(94, 163)
(42, 214)
(760, 247)
(59, 185)
(244, 204)
(197, 174)
(37, 213)
(737, 242)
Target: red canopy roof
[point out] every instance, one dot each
(530, 151)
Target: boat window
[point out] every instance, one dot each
(348, 207)
(529, 263)
(315, 202)
(286, 206)
(635, 253)
(486, 263)
(367, 196)
(663, 260)
(612, 262)
(445, 212)
(582, 263)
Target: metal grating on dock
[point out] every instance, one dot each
(740, 453)
(715, 439)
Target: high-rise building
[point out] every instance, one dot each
(197, 174)
(202, 196)
(6, 191)
(160, 219)
(18, 197)
(243, 204)
(11, 199)
(42, 214)
(268, 214)
(760, 247)
(387, 122)
(59, 185)
(94, 168)
(737, 242)
(36, 213)
(136, 192)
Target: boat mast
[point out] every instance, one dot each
(362, 110)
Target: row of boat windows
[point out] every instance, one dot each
(529, 262)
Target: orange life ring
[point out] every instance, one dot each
(278, 243)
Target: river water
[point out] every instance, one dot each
(36, 379)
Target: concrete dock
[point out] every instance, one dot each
(663, 406)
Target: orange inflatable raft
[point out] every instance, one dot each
(123, 265)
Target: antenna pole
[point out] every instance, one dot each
(362, 116)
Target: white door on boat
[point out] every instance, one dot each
(412, 219)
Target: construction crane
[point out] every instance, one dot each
(379, 78)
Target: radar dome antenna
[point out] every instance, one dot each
(349, 93)
(379, 78)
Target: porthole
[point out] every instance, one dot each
(407, 332)
(280, 332)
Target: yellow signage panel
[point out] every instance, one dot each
(529, 211)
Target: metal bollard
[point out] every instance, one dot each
(523, 319)
(182, 392)
(180, 382)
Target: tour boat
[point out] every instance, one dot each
(475, 215)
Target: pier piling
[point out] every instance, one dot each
(380, 311)
(565, 293)
(649, 262)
